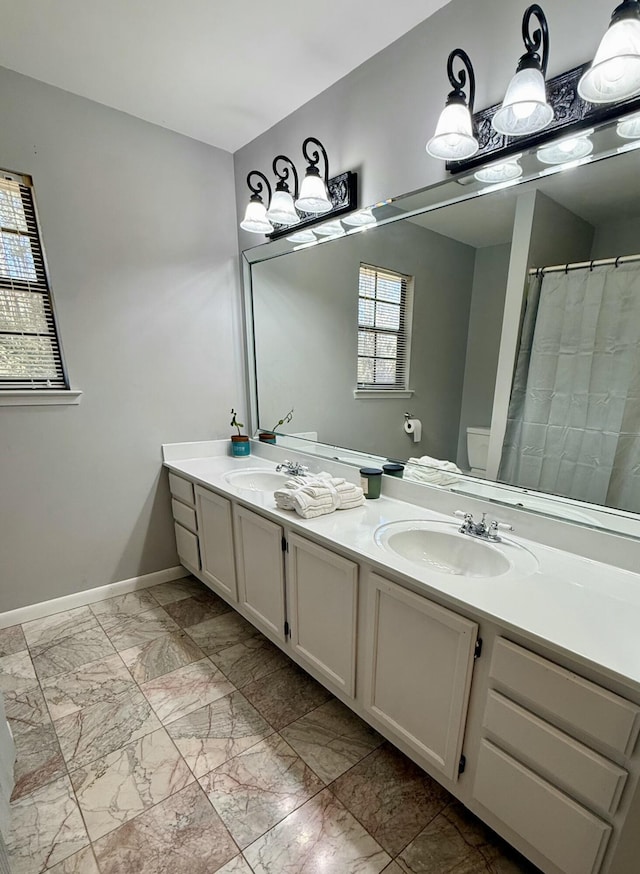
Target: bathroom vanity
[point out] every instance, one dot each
(511, 676)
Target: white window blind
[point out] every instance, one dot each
(30, 356)
(384, 323)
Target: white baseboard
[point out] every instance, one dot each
(90, 596)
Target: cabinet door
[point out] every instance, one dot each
(323, 592)
(260, 570)
(216, 542)
(420, 661)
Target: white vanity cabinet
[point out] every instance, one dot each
(185, 521)
(215, 529)
(323, 611)
(419, 662)
(259, 551)
(553, 758)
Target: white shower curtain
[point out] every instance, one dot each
(573, 426)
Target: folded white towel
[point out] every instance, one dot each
(430, 475)
(439, 464)
(318, 495)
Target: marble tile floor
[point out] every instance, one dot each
(159, 732)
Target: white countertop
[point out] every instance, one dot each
(585, 608)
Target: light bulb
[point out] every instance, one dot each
(505, 171)
(255, 218)
(568, 149)
(524, 109)
(453, 139)
(282, 210)
(615, 72)
(314, 197)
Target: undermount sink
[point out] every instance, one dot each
(440, 547)
(257, 479)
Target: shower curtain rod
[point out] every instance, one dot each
(581, 265)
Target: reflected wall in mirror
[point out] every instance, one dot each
(571, 427)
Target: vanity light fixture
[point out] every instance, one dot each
(330, 229)
(255, 218)
(454, 138)
(505, 171)
(360, 219)
(615, 72)
(567, 149)
(629, 128)
(302, 237)
(282, 211)
(525, 109)
(314, 197)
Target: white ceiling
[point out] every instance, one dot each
(220, 71)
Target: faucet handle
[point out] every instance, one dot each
(468, 517)
(496, 526)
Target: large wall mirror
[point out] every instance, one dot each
(526, 381)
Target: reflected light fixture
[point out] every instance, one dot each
(525, 109)
(302, 237)
(505, 171)
(615, 72)
(282, 211)
(255, 218)
(629, 128)
(361, 218)
(314, 196)
(454, 138)
(567, 149)
(330, 229)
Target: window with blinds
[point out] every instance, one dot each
(384, 328)
(30, 356)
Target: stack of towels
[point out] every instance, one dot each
(317, 495)
(432, 471)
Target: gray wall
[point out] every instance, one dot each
(378, 118)
(617, 238)
(485, 326)
(306, 340)
(139, 230)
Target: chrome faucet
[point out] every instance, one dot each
(481, 529)
(293, 468)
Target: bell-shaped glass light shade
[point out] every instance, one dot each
(615, 72)
(314, 197)
(629, 128)
(282, 211)
(330, 229)
(302, 237)
(568, 149)
(255, 218)
(524, 109)
(360, 219)
(505, 171)
(453, 139)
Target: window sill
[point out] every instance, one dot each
(373, 395)
(38, 398)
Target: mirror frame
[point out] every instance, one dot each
(456, 189)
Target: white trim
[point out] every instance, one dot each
(373, 394)
(90, 596)
(38, 398)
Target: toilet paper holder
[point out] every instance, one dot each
(413, 427)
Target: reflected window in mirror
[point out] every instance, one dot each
(384, 329)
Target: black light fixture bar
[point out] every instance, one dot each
(343, 193)
(572, 115)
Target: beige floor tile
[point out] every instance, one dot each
(181, 835)
(250, 660)
(174, 695)
(12, 640)
(38, 758)
(258, 788)
(124, 605)
(114, 789)
(102, 680)
(285, 695)
(220, 633)
(331, 739)
(127, 631)
(80, 863)
(196, 609)
(321, 837)
(391, 797)
(167, 593)
(161, 656)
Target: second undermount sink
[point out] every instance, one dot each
(440, 547)
(257, 479)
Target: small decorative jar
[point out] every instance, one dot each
(371, 480)
(393, 469)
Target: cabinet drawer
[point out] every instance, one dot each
(553, 754)
(186, 516)
(187, 544)
(181, 488)
(560, 829)
(562, 696)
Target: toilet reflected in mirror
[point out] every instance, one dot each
(478, 450)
